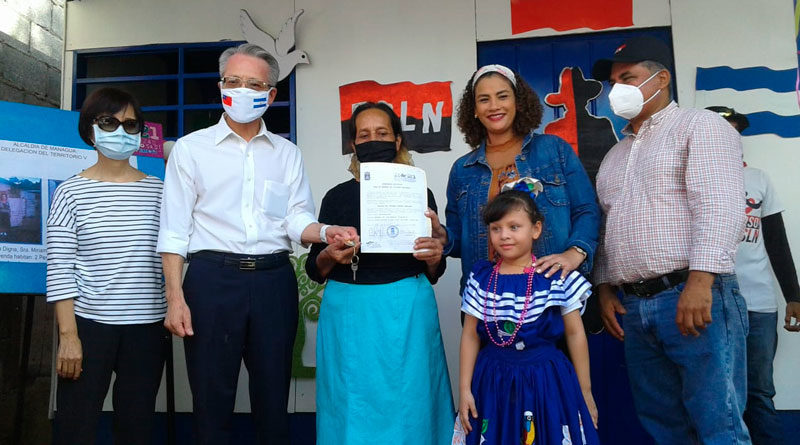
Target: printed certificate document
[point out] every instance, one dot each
(394, 198)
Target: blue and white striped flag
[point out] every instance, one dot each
(768, 97)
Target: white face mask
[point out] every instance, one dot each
(244, 105)
(117, 144)
(627, 101)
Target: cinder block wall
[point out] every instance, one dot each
(31, 50)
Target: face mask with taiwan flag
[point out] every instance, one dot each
(244, 105)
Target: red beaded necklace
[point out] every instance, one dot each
(528, 296)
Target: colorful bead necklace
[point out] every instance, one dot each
(528, 296)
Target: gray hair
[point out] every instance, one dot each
(654, 67)
(251, 50)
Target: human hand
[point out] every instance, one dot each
(179, 318)
(792, 311)
(437, 229)
(466, 407)
(566, 262)
(342, 251)
(340, 233)
(610, 306)
(591, 406)
(694, 303)
(69, 361)
(428, 250)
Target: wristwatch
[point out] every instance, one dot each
(580, 251)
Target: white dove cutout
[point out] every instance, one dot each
(278, 48)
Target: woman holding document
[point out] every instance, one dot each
(381, 370)
(498, 114)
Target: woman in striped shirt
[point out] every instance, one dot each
(104, 277)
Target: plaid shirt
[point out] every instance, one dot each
(672, 196)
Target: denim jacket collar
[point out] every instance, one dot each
(479, 154)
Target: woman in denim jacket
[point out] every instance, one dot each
(497, 115)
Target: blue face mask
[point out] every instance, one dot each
(117, 144)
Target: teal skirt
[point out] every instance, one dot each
(381, 369)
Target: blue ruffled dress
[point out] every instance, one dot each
(527, 392)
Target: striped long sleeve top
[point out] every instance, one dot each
(101, 249)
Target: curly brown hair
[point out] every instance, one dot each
(528, 116)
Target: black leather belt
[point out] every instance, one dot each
(648, 288)
(244, 262)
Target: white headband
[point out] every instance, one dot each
(500, 69)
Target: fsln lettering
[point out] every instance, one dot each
(431, 118)
(404, 117)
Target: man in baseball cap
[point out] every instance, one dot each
(671, 191)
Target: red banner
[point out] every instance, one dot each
(425, 111)
(563, 15)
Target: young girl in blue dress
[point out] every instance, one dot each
(516, 386)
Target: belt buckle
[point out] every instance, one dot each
(640, 289)
(247, 264)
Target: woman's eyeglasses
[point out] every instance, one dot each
(110, 123)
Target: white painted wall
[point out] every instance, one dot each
(493, 19)
(421, 41)
(112, 23)
(744, 33)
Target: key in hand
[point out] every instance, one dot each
(354, 264)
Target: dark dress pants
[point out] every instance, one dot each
(236, 315)
(136, 354)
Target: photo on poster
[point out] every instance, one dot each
(20, 210)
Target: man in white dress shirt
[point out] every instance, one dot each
(235, 198)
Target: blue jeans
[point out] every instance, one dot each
(760, 416)
(689, 389)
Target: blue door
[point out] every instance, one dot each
(576, 108)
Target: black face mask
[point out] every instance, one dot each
(376, 151)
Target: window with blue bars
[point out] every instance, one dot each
(176, 85)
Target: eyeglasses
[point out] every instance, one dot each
(238, 82)
(111, 123)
